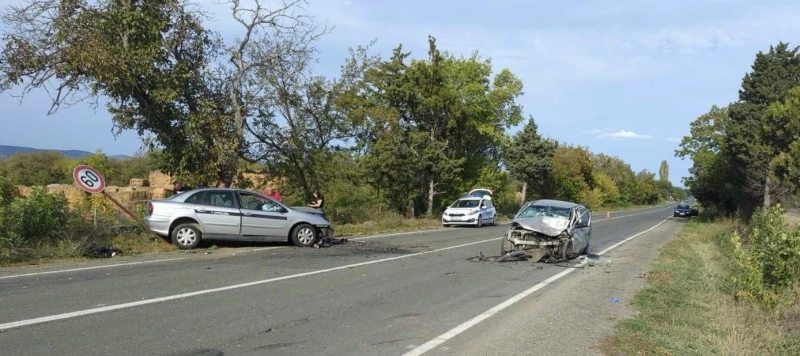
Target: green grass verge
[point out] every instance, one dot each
(688, 307)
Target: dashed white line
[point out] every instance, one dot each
(88, 268)
(487, 314)
(79, 313)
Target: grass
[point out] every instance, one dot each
(688, 307)
(70, 250)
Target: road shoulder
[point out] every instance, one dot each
(572, 315)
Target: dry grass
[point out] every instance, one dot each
(69, 250)
(688, 309)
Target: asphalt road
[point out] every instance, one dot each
(376, 296)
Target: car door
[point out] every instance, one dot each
(218, 213)
(490, 210)
(262, 217)
(583, 229)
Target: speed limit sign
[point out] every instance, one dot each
(89, 179)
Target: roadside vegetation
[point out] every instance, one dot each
(390, 140)
(730, 282)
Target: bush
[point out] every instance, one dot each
(769, 262)
(42, 217)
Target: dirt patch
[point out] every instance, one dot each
(351, 247)
(658, 277)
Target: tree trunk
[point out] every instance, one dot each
(767, 193)
(431, 191)
(524, 193)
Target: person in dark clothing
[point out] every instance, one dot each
(318, 201)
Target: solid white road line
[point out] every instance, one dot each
(88, 268)
(487, 314)
(45, 319)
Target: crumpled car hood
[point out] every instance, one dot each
(548, 225)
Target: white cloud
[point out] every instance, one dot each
(619, 135)
(672, 139)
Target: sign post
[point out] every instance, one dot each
(92, 181)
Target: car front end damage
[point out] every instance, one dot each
(540, 237)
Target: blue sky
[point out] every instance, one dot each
(623, 77)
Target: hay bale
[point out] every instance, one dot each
(159, 193)
(138, 182)
(24, 191)
(158, 179)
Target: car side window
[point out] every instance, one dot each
(221, 199)
(255, 202)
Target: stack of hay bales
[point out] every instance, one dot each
(138, 182)
(159, 180)
(69, 191)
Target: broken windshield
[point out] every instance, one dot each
(533, 211)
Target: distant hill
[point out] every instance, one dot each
(10, 150)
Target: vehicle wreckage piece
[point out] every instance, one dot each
(541, 236)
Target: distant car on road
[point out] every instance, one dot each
(684, 211)
(475, 211)
(233, 214)
(554, 228)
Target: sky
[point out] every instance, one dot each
(622, 77)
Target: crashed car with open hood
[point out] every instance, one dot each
(553, 229)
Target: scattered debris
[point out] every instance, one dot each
(596, 260)
(99, 251)
(516, 255)
(450, 273)
(614, 300)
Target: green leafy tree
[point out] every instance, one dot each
(529, 158)
(663, 171)
(572, 173)
(38, 169)
(747, 142)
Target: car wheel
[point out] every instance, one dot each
(186, 236)
(304, 235)
(480, 221)
(494, 220)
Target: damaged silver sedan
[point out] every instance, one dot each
(549, 229)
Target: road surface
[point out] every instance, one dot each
(402, 294)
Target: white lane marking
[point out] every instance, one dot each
(487, 314)
(625, 216)
(45, 319)
(88, 268)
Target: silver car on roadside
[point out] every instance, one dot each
(549, 228)
(235, 215)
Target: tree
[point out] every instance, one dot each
(572, 173)
(529, 158)
(773, 74)
(162, 72)
(37, 169)
(445, 116)
(712, 177)
(663, 171)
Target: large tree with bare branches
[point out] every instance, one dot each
(179, 85)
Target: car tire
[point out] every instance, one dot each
(304, 235)
(187, 236)
(480, 221)
(494, 220)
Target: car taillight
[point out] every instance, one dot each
(149, 208)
